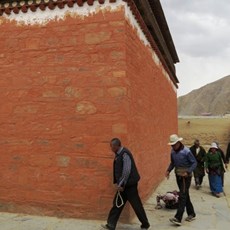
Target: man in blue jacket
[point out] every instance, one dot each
(184, 163)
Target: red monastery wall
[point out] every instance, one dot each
(153, 112)
(66, 88)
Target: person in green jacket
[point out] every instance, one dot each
(214, 167)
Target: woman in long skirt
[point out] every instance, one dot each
(214, 167)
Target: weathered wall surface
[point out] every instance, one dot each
(153, 113)
(66, 88)
(63, 96)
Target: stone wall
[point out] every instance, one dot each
(66, 88)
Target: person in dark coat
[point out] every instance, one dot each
(228, 153)
(199, 153)
(126, 178)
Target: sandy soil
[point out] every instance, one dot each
(206, 130)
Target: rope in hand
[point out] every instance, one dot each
(121, 199)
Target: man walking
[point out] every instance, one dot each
(199, 153)
(184, 163)
(126, 178)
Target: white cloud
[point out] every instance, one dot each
(194, 72)
(200, 30)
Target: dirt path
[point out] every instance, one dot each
(212, 214)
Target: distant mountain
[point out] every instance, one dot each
(211, 99)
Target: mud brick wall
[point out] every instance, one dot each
(153, 112)
(66, 88)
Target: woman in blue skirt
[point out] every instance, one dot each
(214, 168)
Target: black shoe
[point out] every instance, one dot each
(198, 186)
(145, 227)
(175, 221)
(190, 218)
(106, 226)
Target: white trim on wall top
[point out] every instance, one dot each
(43, 17)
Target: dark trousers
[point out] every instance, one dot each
(184, 198)
(199, 180)
(129, 194)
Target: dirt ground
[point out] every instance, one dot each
(212, 213)
(206, 130)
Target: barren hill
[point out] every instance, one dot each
(213, 99)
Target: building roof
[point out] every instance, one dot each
(149, 14)
(155, 21)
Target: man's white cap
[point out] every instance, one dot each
(214, 146)
(173, 139)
